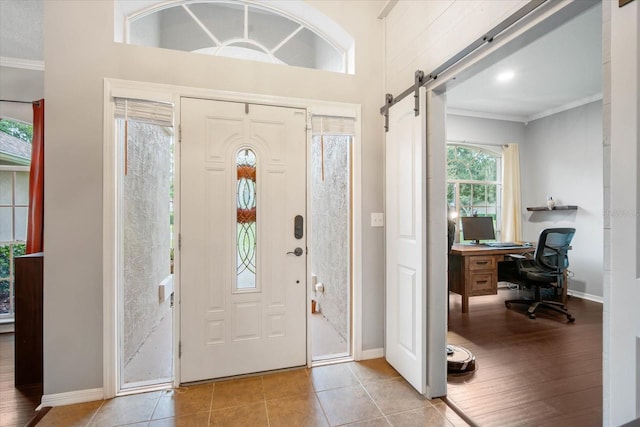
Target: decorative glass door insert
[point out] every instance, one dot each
(246, 220)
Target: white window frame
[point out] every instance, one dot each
(497, 183)
(297, 11)
(9, 317)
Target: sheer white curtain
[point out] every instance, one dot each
(511, 203)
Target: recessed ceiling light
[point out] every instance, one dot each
(505, 76)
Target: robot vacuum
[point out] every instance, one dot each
(460, 360)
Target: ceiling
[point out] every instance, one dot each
(559, 70)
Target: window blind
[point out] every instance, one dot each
(332, 125)
(151, 112)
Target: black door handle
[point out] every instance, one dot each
(296, 252)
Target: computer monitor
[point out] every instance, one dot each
(478, 228)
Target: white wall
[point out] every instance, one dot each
(621, 56)
(484, 131)
(80, 53)
(562, 158)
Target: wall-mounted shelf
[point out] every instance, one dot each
(555, 208)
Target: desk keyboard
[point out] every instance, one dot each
(504, 245)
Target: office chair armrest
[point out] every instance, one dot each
(518, 256)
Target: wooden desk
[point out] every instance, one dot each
(473, 270)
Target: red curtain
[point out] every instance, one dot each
(36, 182)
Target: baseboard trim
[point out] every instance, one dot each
(374, 353)
(72, 397)
(586, 296)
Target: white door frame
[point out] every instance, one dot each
(172, 93)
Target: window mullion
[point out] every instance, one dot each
(286, 39)
(246, 22)
(213, 38)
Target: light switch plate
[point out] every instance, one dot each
(377, 219)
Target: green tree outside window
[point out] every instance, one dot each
(473, 182)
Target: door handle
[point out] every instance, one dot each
(296, 252)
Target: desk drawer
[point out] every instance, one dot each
(483, 283)
(482, 263)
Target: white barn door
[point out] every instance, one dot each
(406, 275)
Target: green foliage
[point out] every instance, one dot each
(476, 173)
(4, 289)
(5, 258)
(20, 130)
(469, 163)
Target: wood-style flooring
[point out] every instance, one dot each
(17, 407)
(542, 372)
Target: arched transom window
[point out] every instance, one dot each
(251, 30)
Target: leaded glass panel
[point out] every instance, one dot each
(246, 220)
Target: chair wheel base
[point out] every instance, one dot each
(571, 319)
(507, 304)
(532, 316)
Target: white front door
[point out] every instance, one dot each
(406, 274)
(243, 282)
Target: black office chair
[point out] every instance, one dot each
(546, 270)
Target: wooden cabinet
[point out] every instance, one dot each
(473, 270)
(480, 272)
(28, 319)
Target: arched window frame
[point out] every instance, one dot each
(295, 10)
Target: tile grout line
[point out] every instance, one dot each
(213, 389)
(95, 413)
(326, 417)
(264, 400)
(368, 394)
(154, 408)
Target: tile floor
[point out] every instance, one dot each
(153, 362)
(326, 341)
(367, 393)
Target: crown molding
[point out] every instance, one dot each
(487, 115)
(526, 119)
(565, 107)
(24, 64)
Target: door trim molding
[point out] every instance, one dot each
(173, 92)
